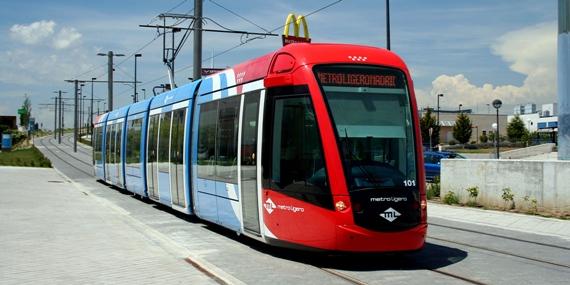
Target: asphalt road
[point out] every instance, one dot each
(456, 253)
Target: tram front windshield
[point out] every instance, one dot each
(370, 109)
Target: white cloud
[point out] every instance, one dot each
(65, 38)
(32, 33)
(44, 32)
(530, 51)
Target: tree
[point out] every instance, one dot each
(428, 121)
(26, 112)
(516, 129)
(462, 129)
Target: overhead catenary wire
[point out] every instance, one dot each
(170, 10)
(237, 15)
(95, 67)
(242, 43)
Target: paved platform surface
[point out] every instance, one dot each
(503, 220)
(53, 233)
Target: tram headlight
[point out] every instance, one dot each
(340, 206)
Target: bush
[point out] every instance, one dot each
(433, 189)
(452, 142)
(509, 197)
(473, 193)
(532, 205)
(450, 198)
(483, 138)
(470, 146)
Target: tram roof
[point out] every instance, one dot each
(139, 107)
(303, 54)
(119, 113)
(100, 119)
(178, 94)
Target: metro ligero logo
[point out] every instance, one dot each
(269, 205)
(390, 214)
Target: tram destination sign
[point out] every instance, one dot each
(360, 79)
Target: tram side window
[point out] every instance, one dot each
(108, 144)
(207, 140)
(98, 142)
(217, 140)
(226, 144)
(152, 136)
(164, 142)
(118, 142)
(293, 160)
(133, 142)
(94, 143)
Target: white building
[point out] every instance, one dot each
(549, 110)
(525, 109)
(544, 121)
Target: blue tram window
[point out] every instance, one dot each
(217, 140)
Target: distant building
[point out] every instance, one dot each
(481, 124)
(545, 121)
(525, 109)
(549, 110)
(9, 121)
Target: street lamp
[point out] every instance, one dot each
(135, 94)
(144, 93)
(91, 112)
(83, 110)
(497, 104)
(80, 107)
(110, 55)
(438, 95)
(460, 105)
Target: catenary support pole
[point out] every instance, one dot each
(388, 24)
(91, 112)
(197, 61)
(76, 117)
(564, 79)
(55, 119)
(110, 80)
(60, 119)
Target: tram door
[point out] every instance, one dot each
(177, 158)
(151, 168)
(249, 130)
(108, 148)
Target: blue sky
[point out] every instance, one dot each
(472, 51)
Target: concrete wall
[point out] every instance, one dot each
(525, 152)
(546, 181)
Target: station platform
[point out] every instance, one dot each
(501, 220)
(51, 232)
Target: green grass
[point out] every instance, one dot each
(31, 157)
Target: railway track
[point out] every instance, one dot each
(80, 147)
(354, 280)
(69, 154)
(48, 149)
(500, 236)
(503, 252)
